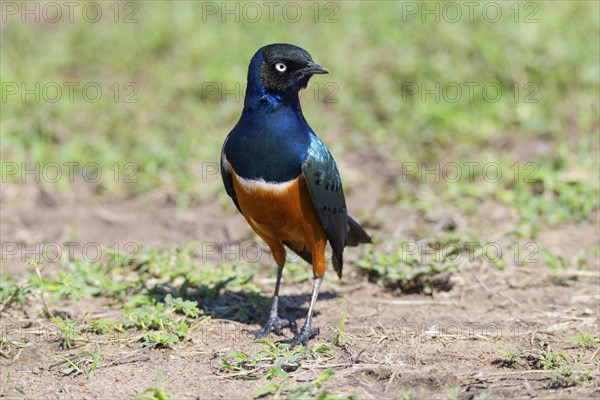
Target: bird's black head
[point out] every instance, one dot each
(286, 67)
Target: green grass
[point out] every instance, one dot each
(554, 188)
(158, 392)
(512, 356)
(273, 361)
(562, 368)
(154, 394)
(84, 360)
(408, 273)
(177, 126)
(275, 364)
(586, 340)
(424, 266)
(160, 293)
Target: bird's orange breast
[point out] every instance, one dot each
(281, 212)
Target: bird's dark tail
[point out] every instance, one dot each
(356, 234)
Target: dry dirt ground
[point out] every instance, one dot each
(444, 345)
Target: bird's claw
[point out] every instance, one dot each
(275, 324)
(301, 337)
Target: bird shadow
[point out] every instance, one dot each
(245, 307)
(252, 308)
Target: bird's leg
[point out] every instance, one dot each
(306, 332)
(274, 322)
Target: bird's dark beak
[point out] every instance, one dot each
(313, 68)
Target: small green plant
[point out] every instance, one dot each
(102, 326)
(68, 331)
(154, 394)
(158, 392)
(268, 363)
(12, 293)
(552, 260)
(274, 361)
(186, 307)
(565, 370)
(565, 376)
(585, 377)
(341, 338)
(83, 360)
(164, 324)
(420, 267)
(38, 266)
(96, 356)
(6, 387)
(551, 359)
(586, 340)
(513, 356)
(7, 345)
(310, 390)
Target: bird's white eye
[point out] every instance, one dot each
(281, 67)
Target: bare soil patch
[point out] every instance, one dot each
(425, 346)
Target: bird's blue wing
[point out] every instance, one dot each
(325, 189)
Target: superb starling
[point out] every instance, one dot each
(283, 179)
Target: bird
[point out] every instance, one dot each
(283, 179)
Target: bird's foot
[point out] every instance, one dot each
(275, 324)
(301, 337)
